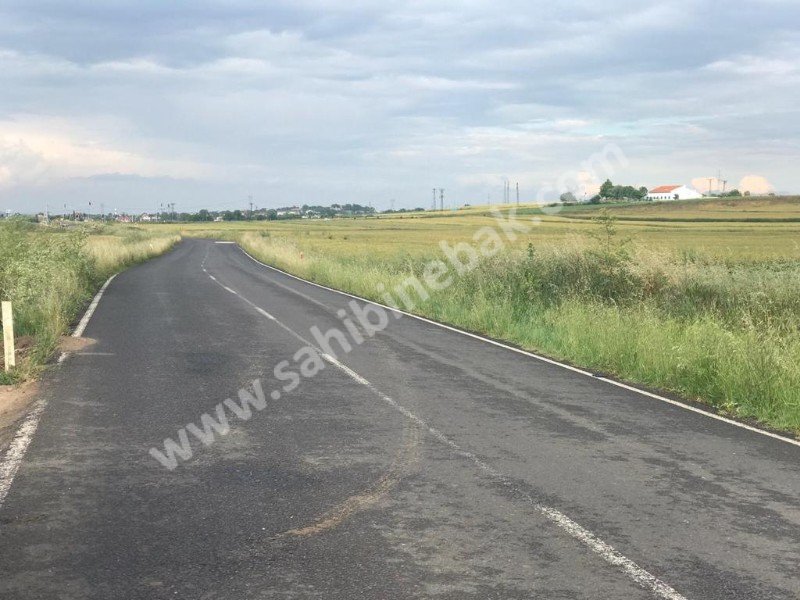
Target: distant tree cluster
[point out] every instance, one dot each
(403, 210)
(609, 191)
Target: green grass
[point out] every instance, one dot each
(710, 312)
(50, 274)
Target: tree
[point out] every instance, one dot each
(606, 189)
(568, 198)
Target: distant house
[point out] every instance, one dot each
(673, 192)
(289, 210)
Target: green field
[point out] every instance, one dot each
(728, 236)
(707, 309)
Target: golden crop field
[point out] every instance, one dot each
(728, 236)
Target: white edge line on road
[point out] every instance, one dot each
(92, 307)
(541, 358)
(18, 447)
(608, 553)
(22, 438)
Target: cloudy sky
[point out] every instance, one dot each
(136, 103)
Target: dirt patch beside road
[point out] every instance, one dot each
(15, 400)
(14, 403)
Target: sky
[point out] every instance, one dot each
(135, 104)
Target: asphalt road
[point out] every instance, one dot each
(421, 464)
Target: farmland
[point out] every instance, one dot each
(659, 226)
(705, 309)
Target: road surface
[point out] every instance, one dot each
(421, 464)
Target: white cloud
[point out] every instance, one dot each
(40, 150)
(755, 184)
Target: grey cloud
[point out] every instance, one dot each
(334, 101)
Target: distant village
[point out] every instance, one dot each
(258, 214)
(217, 216)
(608, 192)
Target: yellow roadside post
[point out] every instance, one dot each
(8, 335)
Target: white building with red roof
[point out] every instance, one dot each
(673, 192)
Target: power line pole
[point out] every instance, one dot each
(518, 193)
(250, 214)
(441, 198)
(434, 198)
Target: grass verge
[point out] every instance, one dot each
(50, 274)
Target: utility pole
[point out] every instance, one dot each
(710, 179)
(391, 205)
(441, 198)
(434, 198)
(518, 193)
(250, 214)
(102, 212)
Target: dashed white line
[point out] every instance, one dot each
(608, 553)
